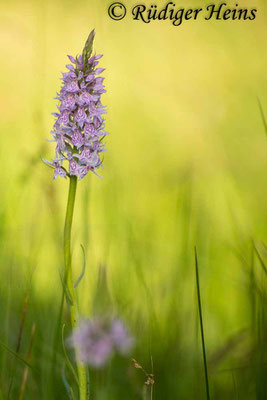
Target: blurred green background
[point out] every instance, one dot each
(186, 165)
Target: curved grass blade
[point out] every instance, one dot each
(202, 328)
(65, 288)
(67, 385)
(83, 270)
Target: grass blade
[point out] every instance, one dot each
(67, 385)
(14, 368)
(83, 269)
(262, 116)
(69, 364)
(16, 355)
(262, 263)
(201, 327)
(56, 342)
(26, 370)
(235, 385)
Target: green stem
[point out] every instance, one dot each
(73, 306)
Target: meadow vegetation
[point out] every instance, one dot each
(186, 166)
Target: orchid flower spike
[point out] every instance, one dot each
(79, 126)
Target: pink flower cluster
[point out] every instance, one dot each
(79, 126)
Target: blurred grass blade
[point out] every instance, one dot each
(235, 385)
(72, 394)
(88, 384)
(144, 397)
(69, 364)
(262, 263)
(26, 371)
(152, 371)
(21, 328)
(102, 302)
(202, 327)
(83, 270)
(56, 342)
(16, 355)
(262, 115)
(67, 385)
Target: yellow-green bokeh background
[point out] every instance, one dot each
(186, 163)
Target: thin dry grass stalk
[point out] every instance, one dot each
(26, 370)
(150, 380)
